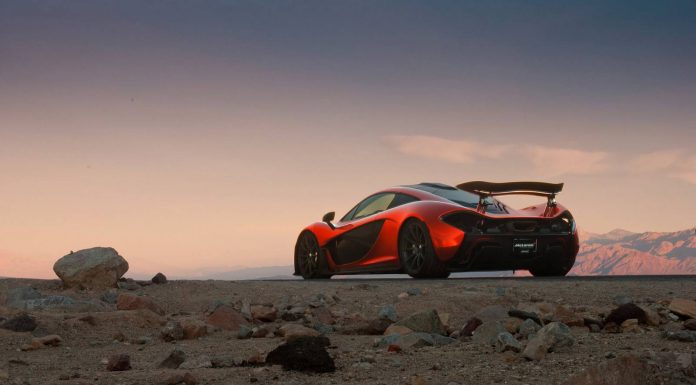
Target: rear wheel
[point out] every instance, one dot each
(556, 267)
(309, 259)
(416, 252)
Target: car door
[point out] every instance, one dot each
(354, 244)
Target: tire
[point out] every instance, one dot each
(416, 252)
(310, 261)
(556, 267)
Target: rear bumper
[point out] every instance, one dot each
(482, 252)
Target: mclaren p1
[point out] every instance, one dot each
(428, 230)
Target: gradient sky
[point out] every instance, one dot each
(200, 136)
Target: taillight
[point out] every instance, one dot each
(563, 224)
(465, 221)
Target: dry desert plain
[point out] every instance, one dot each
(221, 331)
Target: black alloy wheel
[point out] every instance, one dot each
(416, 252)
(309, 259)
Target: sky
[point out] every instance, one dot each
(198, 137)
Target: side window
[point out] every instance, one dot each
(373, 205)
(402, 199)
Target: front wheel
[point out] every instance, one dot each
(309, 259)
(416, 252)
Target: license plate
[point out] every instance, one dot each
(524, 246)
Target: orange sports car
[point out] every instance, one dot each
(428, 230)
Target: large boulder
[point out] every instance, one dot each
(95, 268)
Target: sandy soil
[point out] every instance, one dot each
(80, 357)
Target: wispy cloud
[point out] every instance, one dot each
(544, 161)
(565, 161)
(448, 150)
(672, 163)
(548, 161)
(655, 161)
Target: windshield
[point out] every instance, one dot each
(462, 197)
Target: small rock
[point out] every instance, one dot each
(362, 327)
(525, 315)
(624, 312)
(197, 363)
(631, 326)
(528, 328)
(178, 379)
(226, 362)
(388, 312)
(118, 363)
(682, 335)
(173, 360)
(690, 324)
(673, 317)
(323, 328)
(293, 331)
(413, 340)
(506, 342)
(550, 337)
(159, 279)
(303, 354)
(264, 313)
(684, 307)
(323, 315)
(397, 329)
(511, 324)
(42, 342)
(652, 317)
(226, 317)
(403, 295)
(20, 323)
(414, 291)
(244, 332)
(172, 331)
(471, 325)
(193, 328)
(487, 333)
(261, 332)
(134, 302)
(426, 321)
(566, 316)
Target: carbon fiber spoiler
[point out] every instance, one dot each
(508, 188)
(486, 189)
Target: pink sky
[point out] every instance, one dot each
(190, 148)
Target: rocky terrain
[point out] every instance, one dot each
(95, 327)
(377, 332)
(622, 252)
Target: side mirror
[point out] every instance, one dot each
(328, 217)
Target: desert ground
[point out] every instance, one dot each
(144, 321)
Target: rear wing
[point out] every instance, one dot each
(487, 189)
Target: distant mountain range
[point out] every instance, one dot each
(621, 252)
(618, 252)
